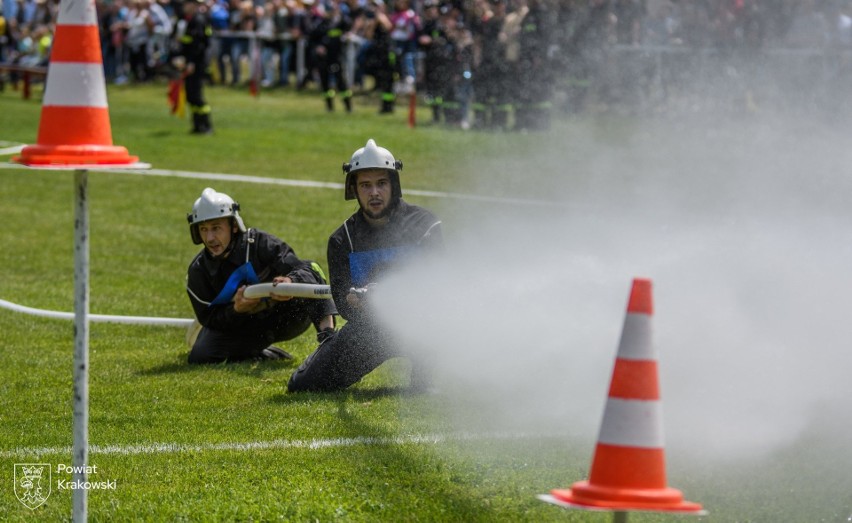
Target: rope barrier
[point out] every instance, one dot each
(97, 318)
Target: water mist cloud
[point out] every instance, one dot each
(747, 236)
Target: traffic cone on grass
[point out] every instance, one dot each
(628, 467)
(74, 129)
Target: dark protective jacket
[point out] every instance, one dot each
(269, 257)
(436, 58)
(409, 227)
(195, 40)
(329, 32)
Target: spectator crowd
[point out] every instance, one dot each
(477, 63)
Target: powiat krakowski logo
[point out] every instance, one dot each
(32, 483)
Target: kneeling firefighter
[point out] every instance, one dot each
(386, 232)
(234, 327)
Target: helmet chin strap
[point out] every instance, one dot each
(224, 254)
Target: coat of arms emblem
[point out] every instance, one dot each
(32, 483)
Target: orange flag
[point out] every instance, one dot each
(177, 97)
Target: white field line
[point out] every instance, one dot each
(6, 151)
(310, 444)
(296, 183)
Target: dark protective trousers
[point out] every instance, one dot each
(352, 353)
(194, 85)
(283, 322)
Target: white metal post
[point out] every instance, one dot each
(80, 447)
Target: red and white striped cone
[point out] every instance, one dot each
(74, 129)
(628, 469)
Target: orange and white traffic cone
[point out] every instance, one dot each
(628, 468)
(74, 129)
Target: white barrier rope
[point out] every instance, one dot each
(303, 183)
(101, 318)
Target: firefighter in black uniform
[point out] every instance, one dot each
(372, 241)
(327, 42)
(490, 79)
(233, 327)
(194, 42)
(535, 71)
(458, 61)
(432, 41)
(381, 60)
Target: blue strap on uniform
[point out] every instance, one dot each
(364, 265)
(243, 275)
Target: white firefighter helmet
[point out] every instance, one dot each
(209, 206)
(371, 156)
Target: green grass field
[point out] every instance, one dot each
(225, 442)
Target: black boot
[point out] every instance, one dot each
(347, 101)
(201, 124)
(329, 104)
(387, 107)
(273, 353)
(206, 124)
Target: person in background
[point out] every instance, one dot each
(458, 57)
(432, 41)
(113, 28)
(232, 326)
(243, 21)
(287, 31)
(490, 79)
(139, 24)
(509, 37)
(221, 45)
(194, 41)
(268, 42)
(327, 39)
(380, 61)
(533, 110)
(406, 26)
(307, 18)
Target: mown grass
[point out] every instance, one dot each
(142, 391)
(144, 394)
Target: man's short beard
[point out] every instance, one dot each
(384, 213)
